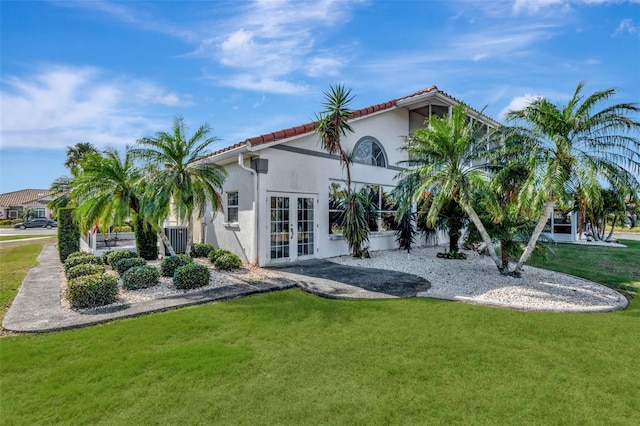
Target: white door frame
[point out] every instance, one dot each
(300, 246)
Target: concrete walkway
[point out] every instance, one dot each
(37, 306)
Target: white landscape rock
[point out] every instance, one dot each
(477, 280)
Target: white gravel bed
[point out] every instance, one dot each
(477, 280)
(165, 288)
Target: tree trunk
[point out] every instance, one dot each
(189, 234)
(454, 234)
(613, 225)
(485, 235)
(546, 214)
(504, 254)
(166, 242)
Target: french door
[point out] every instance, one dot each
(292, 224)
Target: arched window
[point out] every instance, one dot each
(369, 151)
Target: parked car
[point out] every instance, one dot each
(37, 223)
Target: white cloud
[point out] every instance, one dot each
(626, 26)
(264, 84)
(517, 103)
(533, 7)
(59, 106)
(276, 40)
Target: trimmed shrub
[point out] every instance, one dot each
(146, 240)
(81, 259)
(201, 249)
(216, 253)
(68, 234)
(227, 262)
(89, 291)
(117, 255)
(121, 228)
(192, 275)
(84, 269)
(123, 265)
(169, 264)
(140, 277)
(104, 256)
(10, 221)
(77, 254)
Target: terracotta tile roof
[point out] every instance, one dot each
(25, 197)
(310, 127)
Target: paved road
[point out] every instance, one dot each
(31, 231)
(621, 236)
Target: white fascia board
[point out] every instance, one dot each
(230, 156)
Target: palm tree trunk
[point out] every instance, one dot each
(189, 234)
(166, 242)
(485, 235)
(546, 214)
(613, 225)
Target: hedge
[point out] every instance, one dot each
(68, 233)
(146, 240)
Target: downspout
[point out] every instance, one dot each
(254, 249)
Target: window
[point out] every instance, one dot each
(38, 212)
(232, 207)
(369, 151)
(380, 220)
(13, 214)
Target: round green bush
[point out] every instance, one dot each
(169, 264)
(123, 265)
(117, 255)
(105, 257)
(216, 253)
(81, 259)
(140, 277)
(227, 262)
(192, 275)
(201, 249)
(84, 269)
(89, 291)
(77, 254)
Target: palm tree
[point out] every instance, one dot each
(448, 158)
(60, 191)
(76, 153)
(108, 186)
(573, 148)
(178, 181)
(331, 125)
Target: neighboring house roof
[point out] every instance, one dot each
(26, 197)
(310, 127)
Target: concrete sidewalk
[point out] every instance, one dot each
(37, 306)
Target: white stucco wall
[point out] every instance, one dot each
(309, 174)
(236, 237)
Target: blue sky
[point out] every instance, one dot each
(111, 72)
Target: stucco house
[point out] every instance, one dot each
(279, 197)
(12, 204)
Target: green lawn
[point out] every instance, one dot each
(618, 268)
(21, 237)
(293, 358)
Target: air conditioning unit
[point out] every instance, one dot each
(178, 237)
